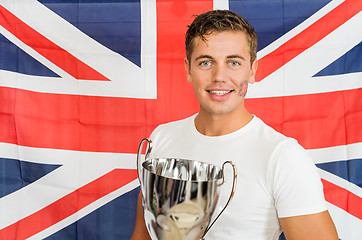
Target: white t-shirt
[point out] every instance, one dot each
(275, 176)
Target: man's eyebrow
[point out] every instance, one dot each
(210, 57)
(203, 56)
(236, 56)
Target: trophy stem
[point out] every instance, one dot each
(233, 188)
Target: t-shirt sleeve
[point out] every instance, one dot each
(296, 185)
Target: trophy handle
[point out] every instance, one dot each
(230, 197)
(139, 162)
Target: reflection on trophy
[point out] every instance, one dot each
(179, 195)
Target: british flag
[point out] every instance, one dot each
(83, 81)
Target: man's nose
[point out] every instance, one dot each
(219, 73)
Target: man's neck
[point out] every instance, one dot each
(222, 124)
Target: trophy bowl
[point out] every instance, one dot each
(179, 195)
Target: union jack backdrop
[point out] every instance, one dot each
(83, 81)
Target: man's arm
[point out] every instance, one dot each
(140, 230)
(317, 226)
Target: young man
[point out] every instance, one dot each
(278, 187)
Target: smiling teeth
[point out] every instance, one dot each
(219, 92)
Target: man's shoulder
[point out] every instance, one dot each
(177, 123)
(174, 126)
(274, 140)
(267, 131)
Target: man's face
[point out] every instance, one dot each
(220, 71)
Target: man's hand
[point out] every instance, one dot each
(140, 230)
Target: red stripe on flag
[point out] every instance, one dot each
(47, 48)
(343, 199)
(315, 120)
(307, 38)
(68, 205)
(101, 124)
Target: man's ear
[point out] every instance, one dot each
(254, 67)
(187, 70)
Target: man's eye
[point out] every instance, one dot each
(205, 64)
(234, 64)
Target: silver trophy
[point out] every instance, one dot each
(179, 195)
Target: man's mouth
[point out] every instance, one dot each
(219, 92)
